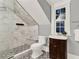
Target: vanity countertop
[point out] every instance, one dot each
(61, 37)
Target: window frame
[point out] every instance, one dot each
(67, 20)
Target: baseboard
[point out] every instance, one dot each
(71, 56)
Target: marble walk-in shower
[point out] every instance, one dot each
(15, 38)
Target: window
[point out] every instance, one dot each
(56, 10)
(60, 26)
(60, 11)
(60, 20)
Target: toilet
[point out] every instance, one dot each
(38, 47)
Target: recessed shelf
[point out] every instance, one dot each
(20, 24)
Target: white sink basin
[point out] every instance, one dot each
(61, 37)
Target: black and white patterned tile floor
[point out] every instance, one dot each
(6, 54)
(43, 56)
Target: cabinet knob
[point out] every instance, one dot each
(55, 46)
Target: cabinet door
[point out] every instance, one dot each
(57, 49)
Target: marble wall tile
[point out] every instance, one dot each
(24, 35)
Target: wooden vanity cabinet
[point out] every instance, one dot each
(57, 48)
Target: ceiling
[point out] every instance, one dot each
(34, 9)
(24, 15)
(56, 1)
(53, 1)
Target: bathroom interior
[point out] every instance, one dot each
(39, 29)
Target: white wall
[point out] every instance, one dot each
(74, 45)
(46, 8)
(44, 30)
